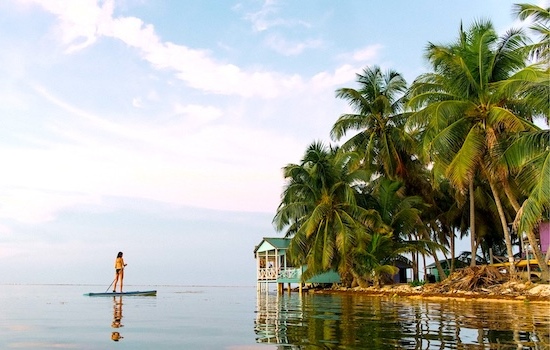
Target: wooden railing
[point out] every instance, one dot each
(273, 274)
(269, 273)
(290, 273)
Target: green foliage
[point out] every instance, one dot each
(464, 128)
(417, 283)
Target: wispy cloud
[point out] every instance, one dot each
(213, 155)
(291, 48)
(182, 162)
(264, 18)
(82, 22)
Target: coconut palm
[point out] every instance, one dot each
(403, 215)
(320, 213)
(540, 26)
(463, 112)
(375, 257)
(529, 157)
(377, 106)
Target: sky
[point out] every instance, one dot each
(159, 127)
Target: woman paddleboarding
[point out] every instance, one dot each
(119, 271)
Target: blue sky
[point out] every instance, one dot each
(159, 128)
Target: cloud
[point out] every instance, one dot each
(194, 66)
(261, 20)
(79, 20)
(82, 22)
(281, 45)
(367, 54)
(198, 115)
(208, 154)
(185, 161)
(341, 75)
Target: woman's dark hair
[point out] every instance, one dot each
(119, 255)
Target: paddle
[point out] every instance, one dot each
(110, 285)
(113, 280)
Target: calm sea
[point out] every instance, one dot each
(195, 317)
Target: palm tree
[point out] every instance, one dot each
(375, 258)
(379, 117)
(320, 213)
(403, 215)
(529, 157)
(540, 26)
(464, 114)
(378, 106)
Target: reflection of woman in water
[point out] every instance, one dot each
(119, 271)
(117, 318)
(116, 336)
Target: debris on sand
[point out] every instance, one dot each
(474, 278)
(476, 282)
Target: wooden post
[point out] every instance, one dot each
(258, 272)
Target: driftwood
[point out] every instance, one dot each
(474, 278)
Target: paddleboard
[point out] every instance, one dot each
(115, 294)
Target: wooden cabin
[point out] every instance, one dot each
(273, 266)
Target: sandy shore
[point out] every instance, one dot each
(509, 291)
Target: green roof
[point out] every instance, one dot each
(278, 243)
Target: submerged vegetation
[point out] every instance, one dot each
(455, 153)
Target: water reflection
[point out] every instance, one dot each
(355, 321)
(117, 318)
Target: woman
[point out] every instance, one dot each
(119, 270)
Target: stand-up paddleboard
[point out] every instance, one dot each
(116, 294)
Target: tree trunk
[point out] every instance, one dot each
(510, 196)
(541, 260)
(414, 259)
(424, 266)
(442, 274)
(473, 244)
(453, 253)
(507, 236)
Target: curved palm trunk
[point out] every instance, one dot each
(473, 244)
(507, 237)
(545, 271)
(442, 274)
(541, 260)
(510, 195)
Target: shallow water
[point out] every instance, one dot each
(194, 317)
(365, 322)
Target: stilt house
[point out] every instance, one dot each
(273, 266)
